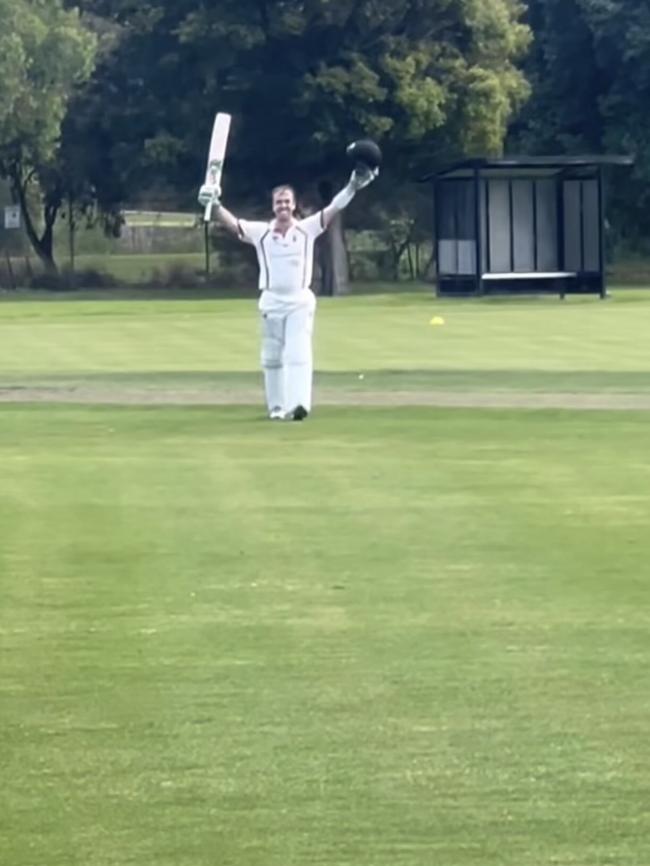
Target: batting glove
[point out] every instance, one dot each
(362, 176)
(209, 194)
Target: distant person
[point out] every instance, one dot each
(285, 253)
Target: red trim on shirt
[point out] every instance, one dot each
(265, 260)
(304, 256)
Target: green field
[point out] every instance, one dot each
(393, 635)
(156, 339)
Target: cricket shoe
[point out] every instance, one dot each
(276, 414)
(298, 414)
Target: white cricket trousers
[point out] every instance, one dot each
(287, 326)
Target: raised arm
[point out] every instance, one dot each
(227, 220)
(360, 177)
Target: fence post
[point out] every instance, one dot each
(206, 242)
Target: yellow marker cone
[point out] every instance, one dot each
(437, 320)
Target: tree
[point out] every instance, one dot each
(427, 78)
(45, 53)
(590, 72)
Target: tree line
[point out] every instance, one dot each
(106, 103)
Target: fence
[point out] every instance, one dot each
(172, 248)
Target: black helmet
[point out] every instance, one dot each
(365, 151)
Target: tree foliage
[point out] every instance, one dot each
(428, 78)
(425, 77)
(302, 77)
(432, 80)
(45, 53)
(590, 74)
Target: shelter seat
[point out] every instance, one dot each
(530, 275)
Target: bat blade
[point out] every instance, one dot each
(217, 153)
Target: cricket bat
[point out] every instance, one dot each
(216, 155)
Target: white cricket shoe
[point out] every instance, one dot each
(276, 414)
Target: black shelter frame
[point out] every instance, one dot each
(521, 224)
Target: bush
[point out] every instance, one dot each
(67, 280)
(175, 275)
(371, 265)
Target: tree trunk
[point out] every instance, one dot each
(43, 246)
(45, 249)
(333, 260)
(332, 252)
(72, 231)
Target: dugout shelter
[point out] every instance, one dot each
(521, 225)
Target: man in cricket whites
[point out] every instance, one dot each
(285, 253)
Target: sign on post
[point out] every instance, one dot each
(12, 216)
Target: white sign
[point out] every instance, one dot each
(12, 216)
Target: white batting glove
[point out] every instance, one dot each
(362, 176)
(209, 194)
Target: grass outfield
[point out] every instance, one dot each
(581, 344)
(380, 638)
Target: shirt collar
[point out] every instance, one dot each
(276, 230)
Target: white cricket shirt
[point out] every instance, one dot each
(286, 260)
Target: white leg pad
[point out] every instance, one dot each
(271, 358)
(298, 359)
